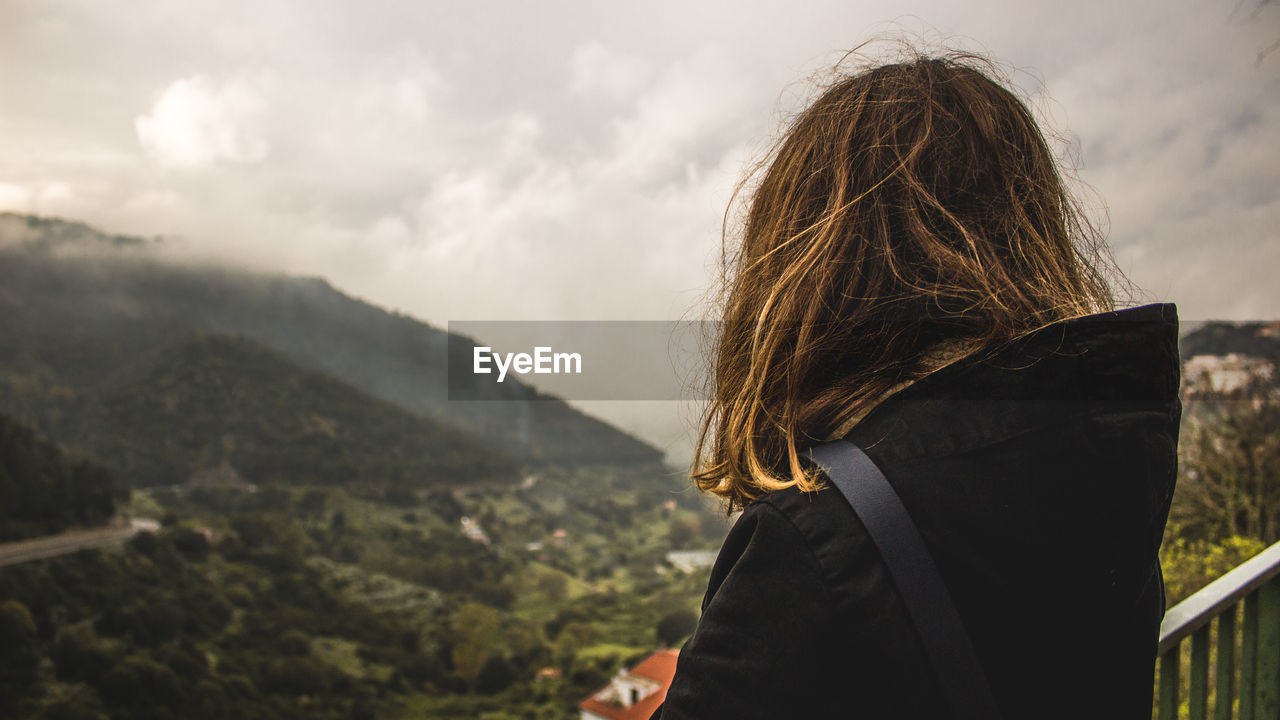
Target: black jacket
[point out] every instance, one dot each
(1040, 478)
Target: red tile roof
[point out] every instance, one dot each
(659, 667)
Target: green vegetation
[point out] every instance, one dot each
(214, 402)
(309, 601)
(312, 479)
(43, 492)
(341, 541)
(1227, 505)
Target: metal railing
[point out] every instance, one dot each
(1246, 663)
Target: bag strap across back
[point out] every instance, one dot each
(914, 573)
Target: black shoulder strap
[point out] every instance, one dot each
(878, 507)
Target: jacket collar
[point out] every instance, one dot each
(1114, 362)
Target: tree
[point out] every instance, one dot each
(477, 635)
(18, 651)
(191, 543)
(295, 643)
(297, 676)
(79, 654)
(573, 637)
(675, 626)
(1189, 565)
(1230, 480)
(495, 676)
(554, 586)
(684, 530)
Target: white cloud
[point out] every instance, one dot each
(692, 108)
(153, 201)
(49, 198)
(402, 85)
(197, 122)
(15, 198)
(596, 68)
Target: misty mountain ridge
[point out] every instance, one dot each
(1221, 337)
(82, 306)
(50, 233)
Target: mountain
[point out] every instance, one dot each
(1259, 339)
(80, 306)
(215, 403)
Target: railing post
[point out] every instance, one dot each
(1200, 674)
(1225, 672)
(1249, 658)
(1267, 704)
(1169, 678)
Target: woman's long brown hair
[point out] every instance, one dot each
(911, 206)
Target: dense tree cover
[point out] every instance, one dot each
(674, 627)
(260, 604)
(43, 492)
(153, 633)
(312, 475)
(1227, 504)
(1230, 481)
(222, 403)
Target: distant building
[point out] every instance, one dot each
(690, 560)
(633, 694)
(1225, 373)
(472, 530)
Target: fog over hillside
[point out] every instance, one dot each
(82, 307)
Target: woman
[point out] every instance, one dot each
(914, 277)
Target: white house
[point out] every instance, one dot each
(688, 561)
(633, 694)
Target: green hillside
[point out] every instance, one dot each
(214, 402)
(338, 539)
(79, 305)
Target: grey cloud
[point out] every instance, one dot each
(572, 160)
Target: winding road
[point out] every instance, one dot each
(21, 551)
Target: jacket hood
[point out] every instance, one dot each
(1109, 363)
(1052, 457)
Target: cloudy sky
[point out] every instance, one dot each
(553, 160)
